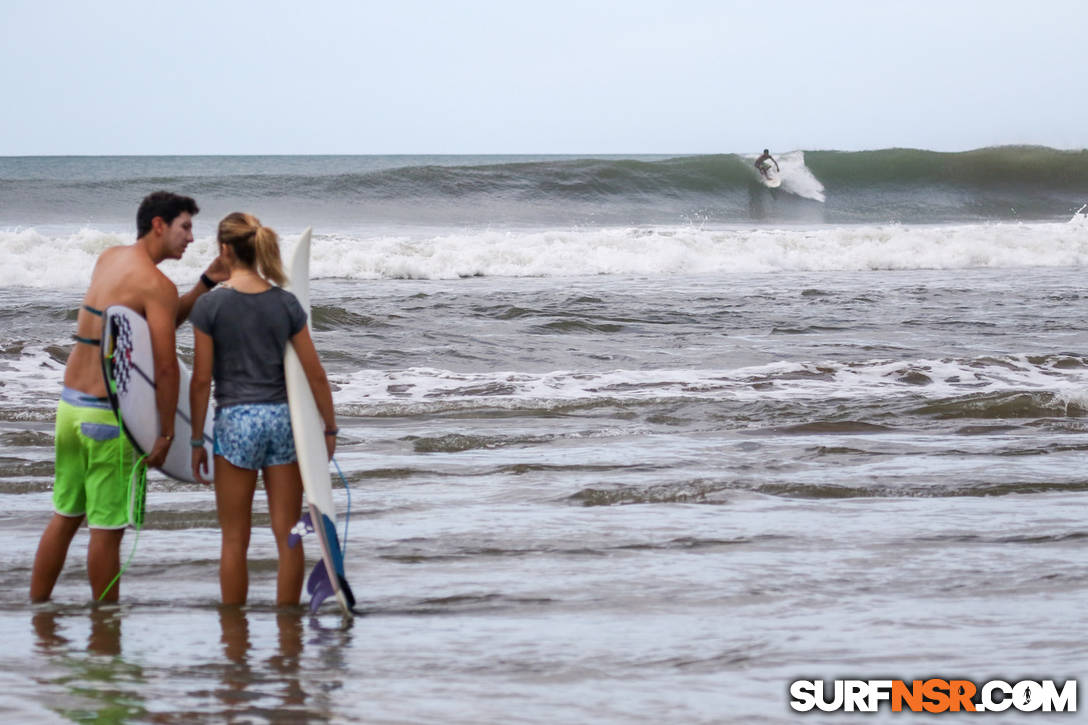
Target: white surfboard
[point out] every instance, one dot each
(129, 369)
(327, 577)
(770, 178)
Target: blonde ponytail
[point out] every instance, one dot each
(269, 264)
(254, 245)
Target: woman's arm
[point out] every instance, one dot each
(319, 383)
(199, 389)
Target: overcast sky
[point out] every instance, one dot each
(554, 76)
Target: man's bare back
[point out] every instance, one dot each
(122, 276)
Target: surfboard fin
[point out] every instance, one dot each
(319, 586)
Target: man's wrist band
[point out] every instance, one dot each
(332, 432)
(196, 442)
(207, 281)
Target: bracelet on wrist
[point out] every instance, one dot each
(332, 432)
(207, 281)
(196, 442)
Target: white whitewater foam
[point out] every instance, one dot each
(32, 382)
(32, 259)
(796, 177)
(29, 258)
(419, 390)
(33, 377)
(694, 251)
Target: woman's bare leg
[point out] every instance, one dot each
(234, 489)
(284, 488)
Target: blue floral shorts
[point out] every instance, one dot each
(255, 435)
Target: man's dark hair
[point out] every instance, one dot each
(163, 204)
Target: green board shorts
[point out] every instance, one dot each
(94, 464)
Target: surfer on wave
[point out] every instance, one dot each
(240, 334)
(763, 163)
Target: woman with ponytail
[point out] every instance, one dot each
(241, 331)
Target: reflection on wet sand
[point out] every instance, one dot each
(286, 663)
(255, 675)
(271, 690)
(98, 684)
(237, 674)
(45, 627)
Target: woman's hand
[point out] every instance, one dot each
(200, 462)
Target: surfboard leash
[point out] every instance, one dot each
(347, 515)
(137, 500)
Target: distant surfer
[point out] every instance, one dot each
(240, 334)
(763, 163)
(94, 459)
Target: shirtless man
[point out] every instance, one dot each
(764, 162)
(91, 481)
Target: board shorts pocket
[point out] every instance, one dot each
(99, 431)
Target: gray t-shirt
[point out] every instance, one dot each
(250, 332)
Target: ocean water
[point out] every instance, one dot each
(626, 440)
